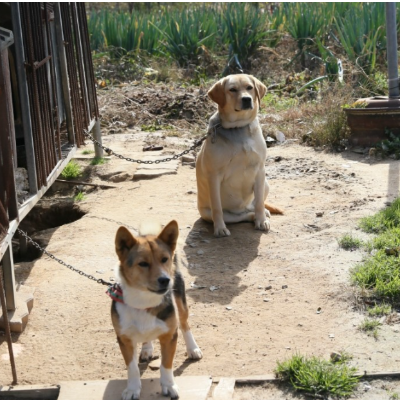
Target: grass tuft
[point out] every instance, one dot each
(379, 310)
(383, 220)
(348, 242)
(86, 152)
(370, 326)
(72, 170)
(318, 377)
(79, 197)
(98, 161)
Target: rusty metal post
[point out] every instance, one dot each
(7, 330)
(24, 97)
(64, 73)
(9, 279)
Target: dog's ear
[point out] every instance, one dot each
(124, 241)
(261, 89)
(169, 235)
(217, 93)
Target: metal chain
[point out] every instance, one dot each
(112, 220)
(196, 144)
(53, 257)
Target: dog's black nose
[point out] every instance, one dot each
(246, 103)
(163, 282)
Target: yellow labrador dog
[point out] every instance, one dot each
(230, 167)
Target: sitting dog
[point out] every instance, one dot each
(148, 303)
(230, 167)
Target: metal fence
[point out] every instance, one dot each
(53, 96)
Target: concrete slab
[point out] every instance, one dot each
(19, 317)
(225, 389)
(190, 388)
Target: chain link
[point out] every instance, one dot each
(53, 257)
(110, 152)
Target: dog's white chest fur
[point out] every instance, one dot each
(139, 325)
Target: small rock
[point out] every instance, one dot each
(188, 159)
(331, 336)
(336, 357)
(278, 158)
(122, 177)
(284, 286)
(229, 308)
(319, 310)
(200, 252)
(266, 300)
(214, 288)
(269, 287)
(155, 365)
(319, 214)
(280, 136)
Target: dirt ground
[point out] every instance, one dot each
(268, 287)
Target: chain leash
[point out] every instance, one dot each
(110, 152)
(53, 257)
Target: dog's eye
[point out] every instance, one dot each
(233, 90)
(249, 87)
(144, 264)
(164, 260)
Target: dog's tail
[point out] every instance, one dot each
(273, 209)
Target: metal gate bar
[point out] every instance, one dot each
(72, 73)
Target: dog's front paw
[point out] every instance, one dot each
(129, 394)
(147, 351)
(170, 390)
(221, 231)
(262, 225)
(194, 354)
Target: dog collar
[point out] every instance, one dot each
(115, 292)
(213, 130)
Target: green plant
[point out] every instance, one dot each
(383, 220)
(349, 242)
(305, 22)
(370, 326)
(388, 240)
(379, 310)
(186, 35)
(361, 33)
(394, 396)
(79, 197)
(85, 152)
(318, 377)
(390, 146)
(98, 161)
(72, 170)
(247, 29)
(380, 274)
(356, 104)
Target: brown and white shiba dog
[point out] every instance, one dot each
(150, 303)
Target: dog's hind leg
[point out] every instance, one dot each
(192, 349)
(147, 351)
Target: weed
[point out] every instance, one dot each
(370, 326)
(72, 170)
(394, 396)
(319, 377)
(85, 152)
(279, 103)
(390, 146)
(348, 242)
(379, 310)
(389, 239)
(379, 273)
(79, 197)
(383, 220)
(155, 127)
(98, 161)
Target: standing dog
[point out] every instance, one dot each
(149, 303)
(230, 171)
